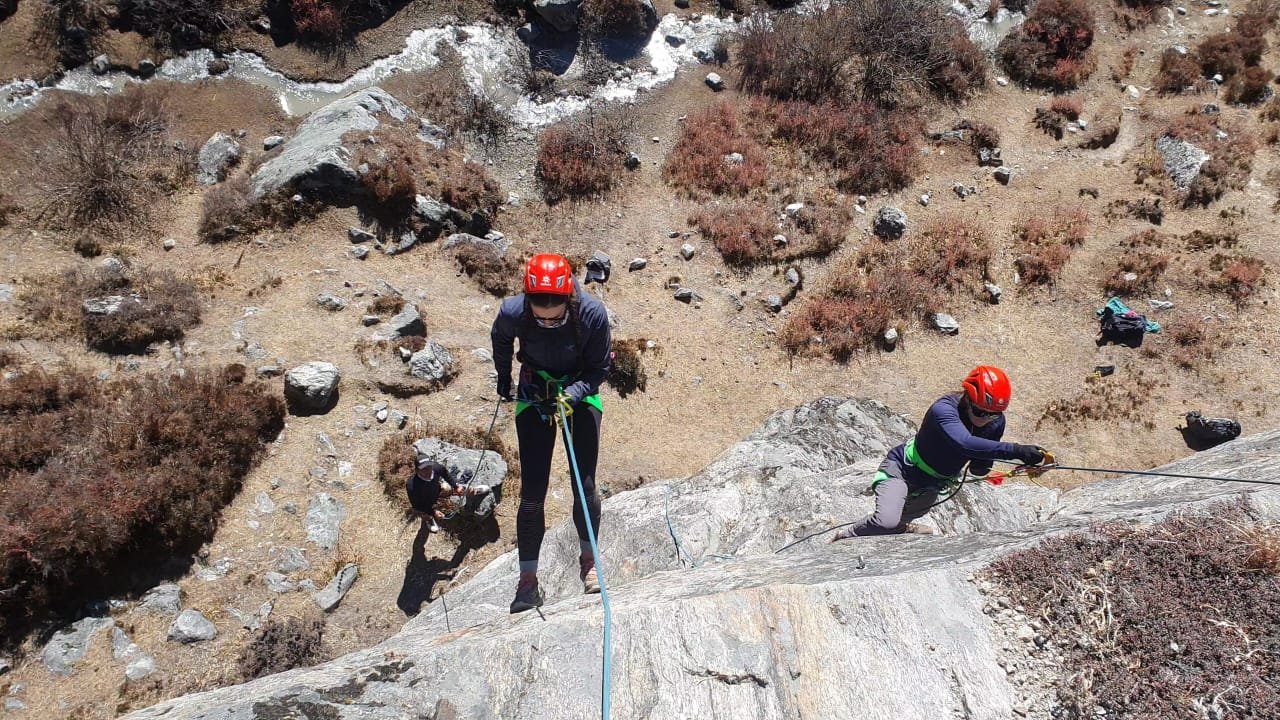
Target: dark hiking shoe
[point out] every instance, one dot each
(528, 596)
(587, 573)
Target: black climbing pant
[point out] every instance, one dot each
(537, 439)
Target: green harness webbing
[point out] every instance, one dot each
(553, 387)
(914, 459)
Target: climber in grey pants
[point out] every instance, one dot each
(898, 501)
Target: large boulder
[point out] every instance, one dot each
(1182, 160)
(721, 625)
(68, 647)
(316, 158)
(559, 14)
(312, 387)
(433, 363)
(218, 155)
(465, 465)
(890, 223)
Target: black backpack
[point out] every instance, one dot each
(1124, 329)
(1211, 431)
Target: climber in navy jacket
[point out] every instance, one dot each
(959, 428)
(564, 348)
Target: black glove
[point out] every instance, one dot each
(504, 387)
(1028, 454)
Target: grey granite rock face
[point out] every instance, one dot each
(868, 629)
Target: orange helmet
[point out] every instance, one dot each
(548, 273)
(988, 388)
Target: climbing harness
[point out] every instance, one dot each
(606, 682)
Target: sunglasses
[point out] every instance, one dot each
(555, 322)
(979, 412)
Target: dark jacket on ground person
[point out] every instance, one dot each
(946, 441)
(555, 350)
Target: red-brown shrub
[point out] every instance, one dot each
(870, 148)
(1231, 158)
(136, 471)
(1069, 107)
(1046, 242)
(1051, 49)
(742, 233)
(1178, 71)
(582, 158)
(951, 253)
(319, 21)
(1250, 86)
(1229, 53)
(1240, 277)
(1148, 267)
(700, 159)
(794, 57)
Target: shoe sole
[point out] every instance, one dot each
(519, 607)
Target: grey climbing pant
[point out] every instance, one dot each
(898, 501)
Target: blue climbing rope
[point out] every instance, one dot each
(606, 681)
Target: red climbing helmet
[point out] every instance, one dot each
(988, 388)
(548, 273)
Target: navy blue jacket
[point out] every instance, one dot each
(946, 440)
(555, 350)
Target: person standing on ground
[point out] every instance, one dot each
(959, 428)
(565, 349)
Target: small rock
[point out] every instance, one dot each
(370, 320)
(272, 142)
(633, 160)
(963, 191)
(261, 25)
(1025, 633)
(169, 244)
(675, 40)
(398, 419)
(13, 705)
(924, 199)
(993, 292)
(890, 223)
(637, 264)
(687, 295)
(1002, 81)
(331, 302)
(793, 209)
(192, 627)
(360, 235)
(686, 251)
(359, 252)
(382, 415)
(1003, 174)
(269, 371)
(1160, 304)
(946, 324)
(890, 338)
(780, 240)
(792, 277)
(101, 65)
(332, 594)
(774, 303)
(264, 504)
(1133, 92)
(163, 599)
(278, 583)
(682, 4)
(734, 158)
(292, 559)
(715, 82)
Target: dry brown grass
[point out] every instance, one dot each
(104, 161)
(1105, 400)
(496, 274)
(283, 644)
(165, 308)
(1160, 619)
(103, 478)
